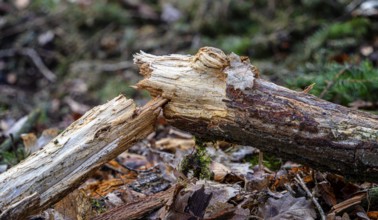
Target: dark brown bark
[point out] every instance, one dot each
(229, 101)
(138, 209)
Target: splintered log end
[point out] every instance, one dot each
(233, 70)
(195, 82)
(220, 97)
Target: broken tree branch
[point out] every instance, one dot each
(48, 175)
(138, 209)
(221, 97)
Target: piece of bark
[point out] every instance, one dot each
(48, 175)
(138, 209)
(221, 97)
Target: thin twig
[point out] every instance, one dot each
(303, 185)
(36, 59)
(331, 83)
(39, 63)
(14, 147)
(308, 88)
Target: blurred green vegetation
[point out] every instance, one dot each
(293, 42)
(282, 36)
(341, 83)
(269, 161)
(197, 164)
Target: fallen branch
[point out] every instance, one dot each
(48, 175)
(309, 194)
(138, 209)
(220, 97)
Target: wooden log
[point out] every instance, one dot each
(48, 175)
(221, 97)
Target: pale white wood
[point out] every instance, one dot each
(63, 164)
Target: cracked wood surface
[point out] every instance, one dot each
(48, 175)
(221, 97)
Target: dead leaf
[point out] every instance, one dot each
(114, 165)
(133, 161)
(287, 207)
(257, 181)
(373, 214)
(32, 144)
(113, 200)
(198, 202)
(99, 189)
(205, 199)
(327, 193)
(220, 171)
(172, 144)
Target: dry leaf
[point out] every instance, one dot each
(32, 144)
(171, 144)
(220, 171)
(257, 181)
(326, 191)
(205, 199)
(287, 207)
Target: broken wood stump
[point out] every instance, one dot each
(221, 97)
(62, 165)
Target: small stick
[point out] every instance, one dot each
(331, 83)
(308, 88)
(303, 185)
(35, 58)
(50, 76)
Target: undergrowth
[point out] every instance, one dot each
(197, 163)
(338, 83)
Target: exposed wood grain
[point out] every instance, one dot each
(63, 164)
(230, 102)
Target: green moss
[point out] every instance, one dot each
(12, 158)
(197, 163)
(98, 205)
(270, 161)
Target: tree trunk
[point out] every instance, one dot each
(48, 175)
(221, 97)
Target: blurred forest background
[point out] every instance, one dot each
(60, 58)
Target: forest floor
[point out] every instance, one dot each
(58, 59)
